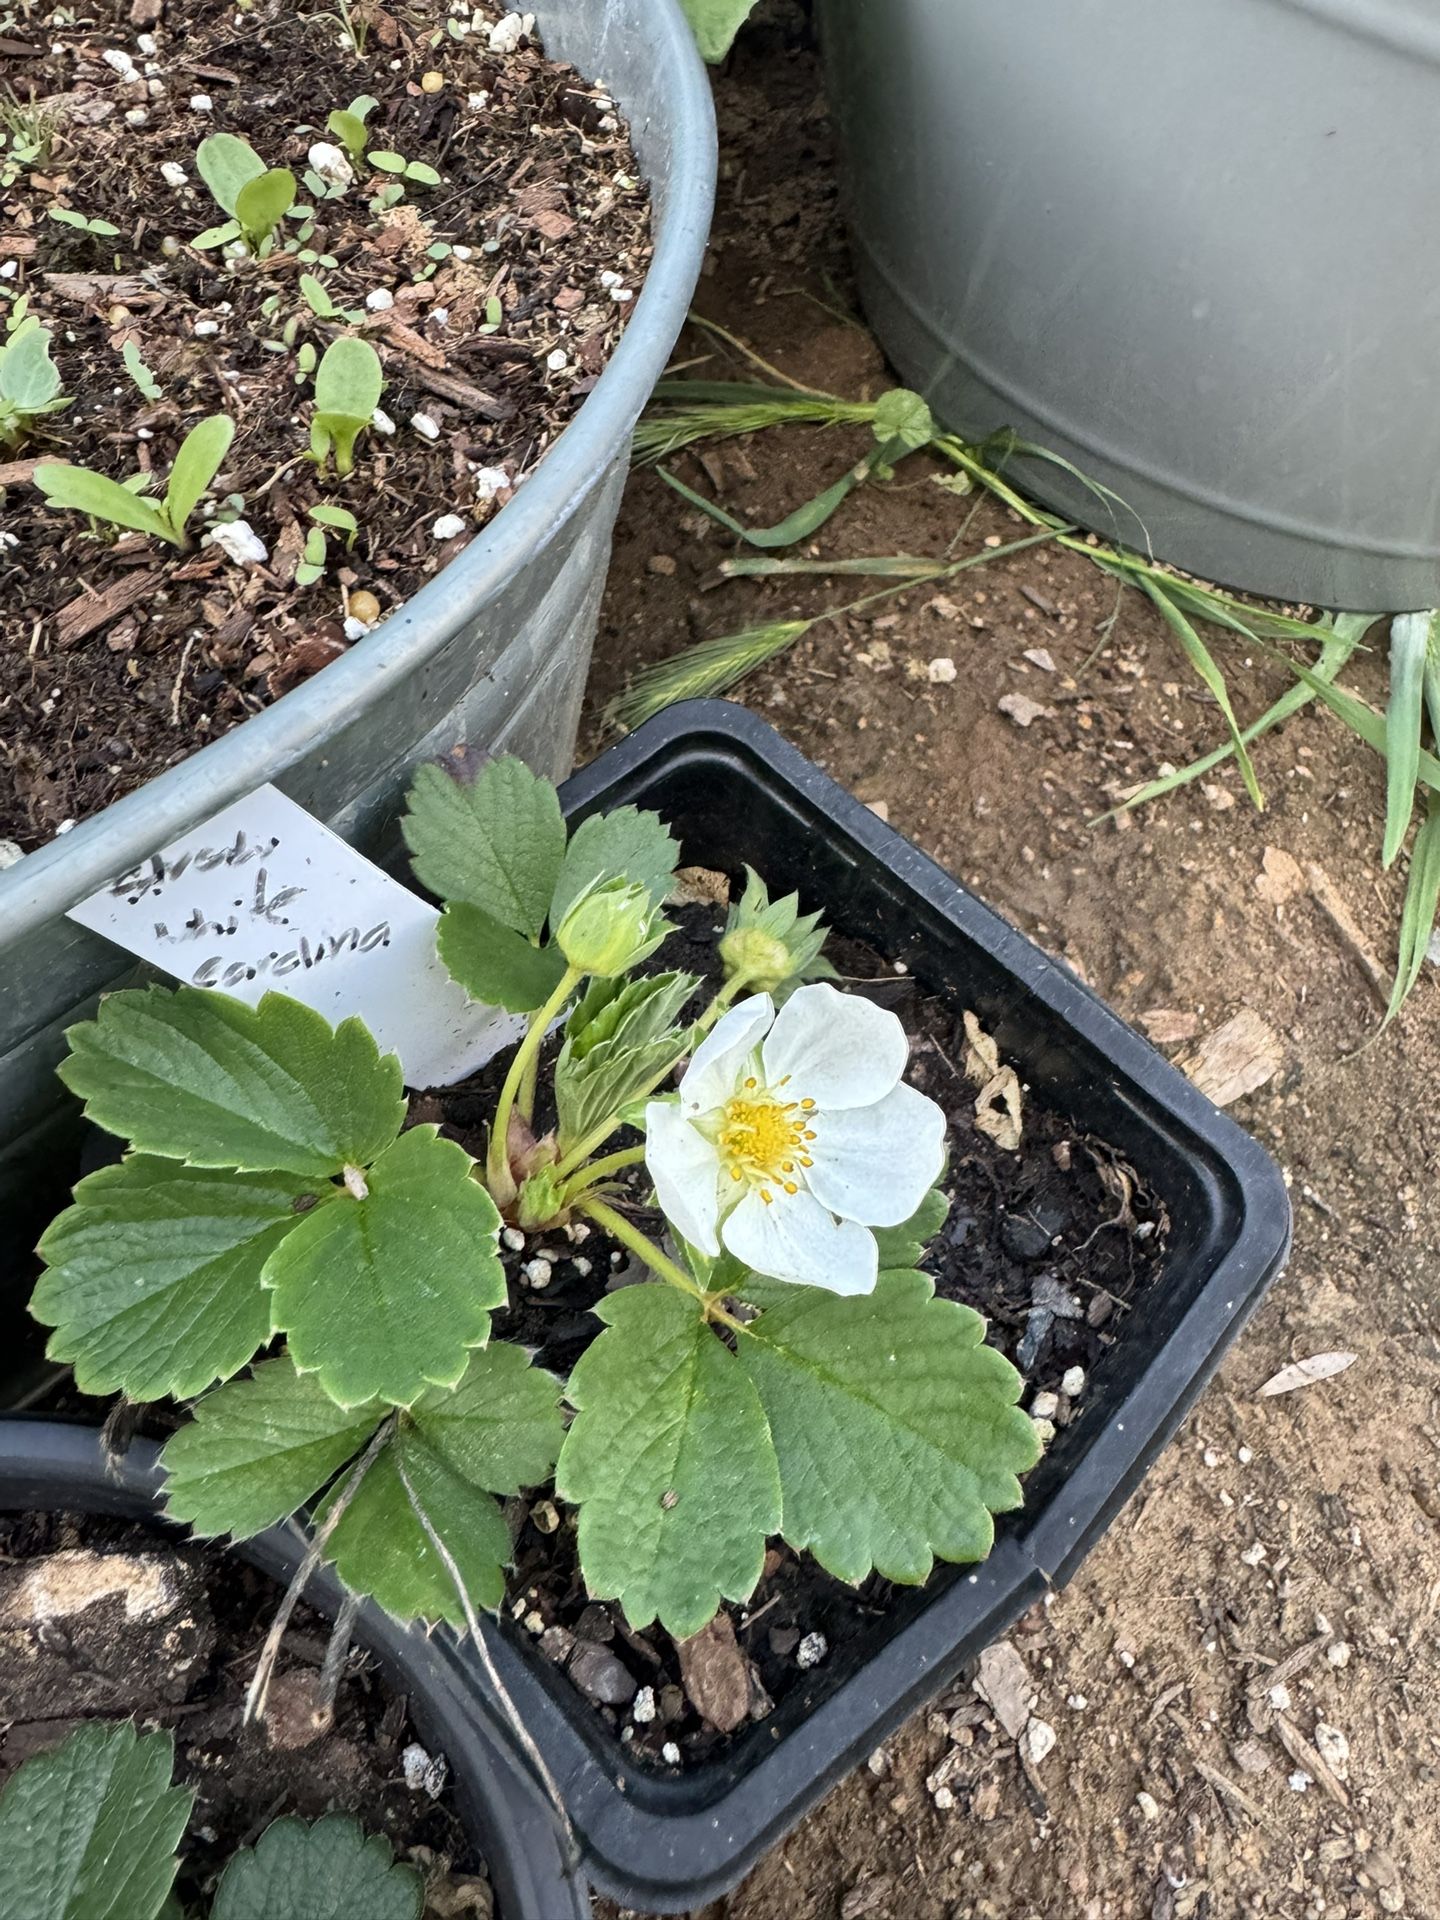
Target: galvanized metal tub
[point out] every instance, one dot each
(1180, 243)
(494, 651)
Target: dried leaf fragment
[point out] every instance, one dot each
(997, 1105)
(1304, 1373)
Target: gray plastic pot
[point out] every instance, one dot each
(53, 1466)
(494, 651)
(1180, 243)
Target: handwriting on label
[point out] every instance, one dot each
(264, 897)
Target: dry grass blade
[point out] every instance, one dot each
(712, 667)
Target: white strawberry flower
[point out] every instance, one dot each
(793, 1136)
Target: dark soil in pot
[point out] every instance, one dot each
(494, 300)
(101, 1619)
(1054, 1244)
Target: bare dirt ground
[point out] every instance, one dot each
(1277, 1578)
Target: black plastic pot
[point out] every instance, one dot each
(734, 792)
(47, 1465)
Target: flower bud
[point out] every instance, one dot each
(610, 929)
(760, 959)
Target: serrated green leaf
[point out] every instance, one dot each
(592, 1091)
(496, 966)
(387, 1295)
(500, 1428)
(89, 1831)
(258, 1449)
(153, 1281)
(630, 1011)
(896, 1428)
(196, 465)
(670, 1462)
(197, 1076)
(226, 163)
(496, 844)
(902, 1246)
(627, 844)
(381, 1549)
(331, 1871)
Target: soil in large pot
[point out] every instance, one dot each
(102, 1620)
(493, 298)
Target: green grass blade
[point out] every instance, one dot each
(1363, 720)
(1422, 904)
(1410, 640)
(1203, 661)
(710, 668)
(805, 520)
(880, 566)
(1339, 646)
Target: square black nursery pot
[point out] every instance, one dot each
(734, 792)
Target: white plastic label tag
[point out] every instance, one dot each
(263, 897)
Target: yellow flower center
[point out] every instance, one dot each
(764, 1139)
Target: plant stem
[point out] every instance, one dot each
(314, 1554)
(525, 1100)
(498, 1177)
(492, 1672)
(660, 1264)
(597, 1170)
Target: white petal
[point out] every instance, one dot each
(795, 1238)
(720, 1060)
(686, 1171)
(876, 1164)
(838, 1049)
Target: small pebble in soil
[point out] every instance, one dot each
(239, 542)
(1038, 1740)
(506, 34)
(941, 671)
(381, 421)
(543, 1516)
(201, 103)
(514, 1239)
(557, 360)
(670, 1754)
(1299, 1781)
(1044, 1429)
(379, 300)
(1072, 1382)
(203, 329)
(539, 1273)
(1338, 1653)
(432, 82)
(136, 116)
(426, 425)
(1245, 1455)
(1149, 1806)
(1044, 1406)
(811, 1650)
(489, 481)
(643, 1710)
(1077, 1703)
(1279, 1698)
(447, 527)
(424, 1773)
(364, 607)
(331, 163)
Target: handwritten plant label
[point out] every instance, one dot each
(264, 898)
